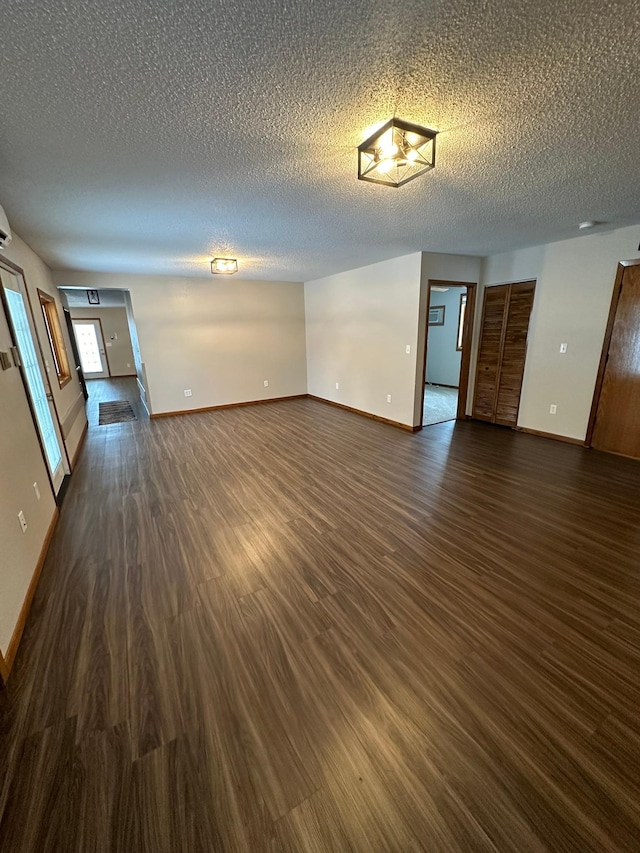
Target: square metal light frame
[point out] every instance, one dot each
(368, 148)
(232, 271)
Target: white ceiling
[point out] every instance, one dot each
(148, 136)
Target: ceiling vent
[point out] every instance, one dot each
(5, 231)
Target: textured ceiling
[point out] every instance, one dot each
(148, 136)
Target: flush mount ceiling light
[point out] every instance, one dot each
(224, 266)
(396, 153)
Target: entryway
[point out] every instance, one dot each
(448, 348)
(90, 340)
(18, 330)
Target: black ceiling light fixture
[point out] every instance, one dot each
(397, 153)
(224, 266)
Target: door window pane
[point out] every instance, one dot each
(90, 358)
(34, 378)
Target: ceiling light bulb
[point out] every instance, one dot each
(225, 266)
(398, 143)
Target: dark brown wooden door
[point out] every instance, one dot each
(495, 300)
(502, 352)
(617, 425)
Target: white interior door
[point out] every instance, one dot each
(91, 348)
(35, 377)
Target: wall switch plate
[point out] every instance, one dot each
(266, 383)
(187, 392)
(337, 386)
(553, 409)
(388, 398)
(563, 347)
(407, 349)
(36, 490)
(23, 521)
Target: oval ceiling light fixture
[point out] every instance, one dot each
(397, 153)
(584, 226)
(224, 266)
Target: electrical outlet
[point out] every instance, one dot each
(388, 398)
(407, 349)
(266, 383)
(23, 521)
(553, 409)
(36, 490)
(563, 348)
(337, 386)
(128, 365)
(187, 392)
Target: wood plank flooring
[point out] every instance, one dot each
(290, 628)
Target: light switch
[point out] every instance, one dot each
(563, 347)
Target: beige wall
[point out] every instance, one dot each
(219, 337)
(359, 324)
(21, 460)
(21, 465)
(573, 294)
(115, 329)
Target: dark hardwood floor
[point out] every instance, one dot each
(287, 627)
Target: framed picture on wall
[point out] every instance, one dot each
(436, 315)
(94, 297)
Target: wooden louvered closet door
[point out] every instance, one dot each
(502, 352)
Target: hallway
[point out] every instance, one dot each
(290, 628)
(106, 390)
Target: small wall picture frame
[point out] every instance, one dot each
(436, 315)
(94, 297)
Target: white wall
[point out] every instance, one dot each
(443, 359)
(219, 337)
(573, 294)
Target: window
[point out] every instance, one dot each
(463, 308)
(58, 350)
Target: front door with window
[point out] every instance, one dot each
(91, 348)
(34, 376)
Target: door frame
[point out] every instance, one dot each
(99, 322)
(9, 266)
(467, 341)
(606, 345)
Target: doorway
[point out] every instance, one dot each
(93, 354)
(614, 425)
(34, 376)
(450, 312)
